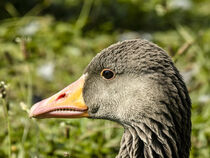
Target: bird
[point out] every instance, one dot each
(136, 84)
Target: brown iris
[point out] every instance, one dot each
(107, 74)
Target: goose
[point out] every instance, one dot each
(135, 84)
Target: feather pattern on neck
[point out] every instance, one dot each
(141, 140)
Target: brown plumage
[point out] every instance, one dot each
(136, 84)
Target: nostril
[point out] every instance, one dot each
(61, 96)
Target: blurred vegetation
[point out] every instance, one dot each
(46, 44)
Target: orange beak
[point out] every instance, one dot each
(68, 103)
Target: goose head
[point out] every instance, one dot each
(136, 84)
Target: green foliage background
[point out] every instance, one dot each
(64, 35)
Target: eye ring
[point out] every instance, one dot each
(107, 74)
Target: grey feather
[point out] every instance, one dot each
(147, 97)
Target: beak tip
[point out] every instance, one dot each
(32, 112)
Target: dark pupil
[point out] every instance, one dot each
(107, 74)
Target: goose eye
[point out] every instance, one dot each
(107, 74)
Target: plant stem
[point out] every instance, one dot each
(80, 23)
(4, 102)
(29, 82)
